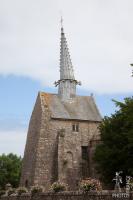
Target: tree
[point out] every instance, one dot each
(115, 153)
(10, 168)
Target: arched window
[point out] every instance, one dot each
(69, 159)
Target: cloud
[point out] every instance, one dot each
(13, 123)
(12, 142)
(13, 131)
(99, 35)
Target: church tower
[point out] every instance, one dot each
(62, 134)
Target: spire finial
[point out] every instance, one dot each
(61, 21)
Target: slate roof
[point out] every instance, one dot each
(79, 108)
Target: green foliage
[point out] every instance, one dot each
(115, 153)
(21, 190)
(36, 189)
(58, 187)
(10, 167)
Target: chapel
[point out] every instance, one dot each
(63, 132)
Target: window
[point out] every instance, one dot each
(85, 153)
(75, 127)
(85, 162)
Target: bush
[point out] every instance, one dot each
(58, 187)
(115, 151)
(36, 189)
(90, 185)
(22, 190)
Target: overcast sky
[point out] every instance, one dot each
(100, 40)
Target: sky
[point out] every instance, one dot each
(100, 40)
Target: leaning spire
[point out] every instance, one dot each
(67, 83)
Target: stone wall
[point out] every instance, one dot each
(105, 195)
(69, 149)
(37, 162)
(29, 161)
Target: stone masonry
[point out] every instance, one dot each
(104, 195)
